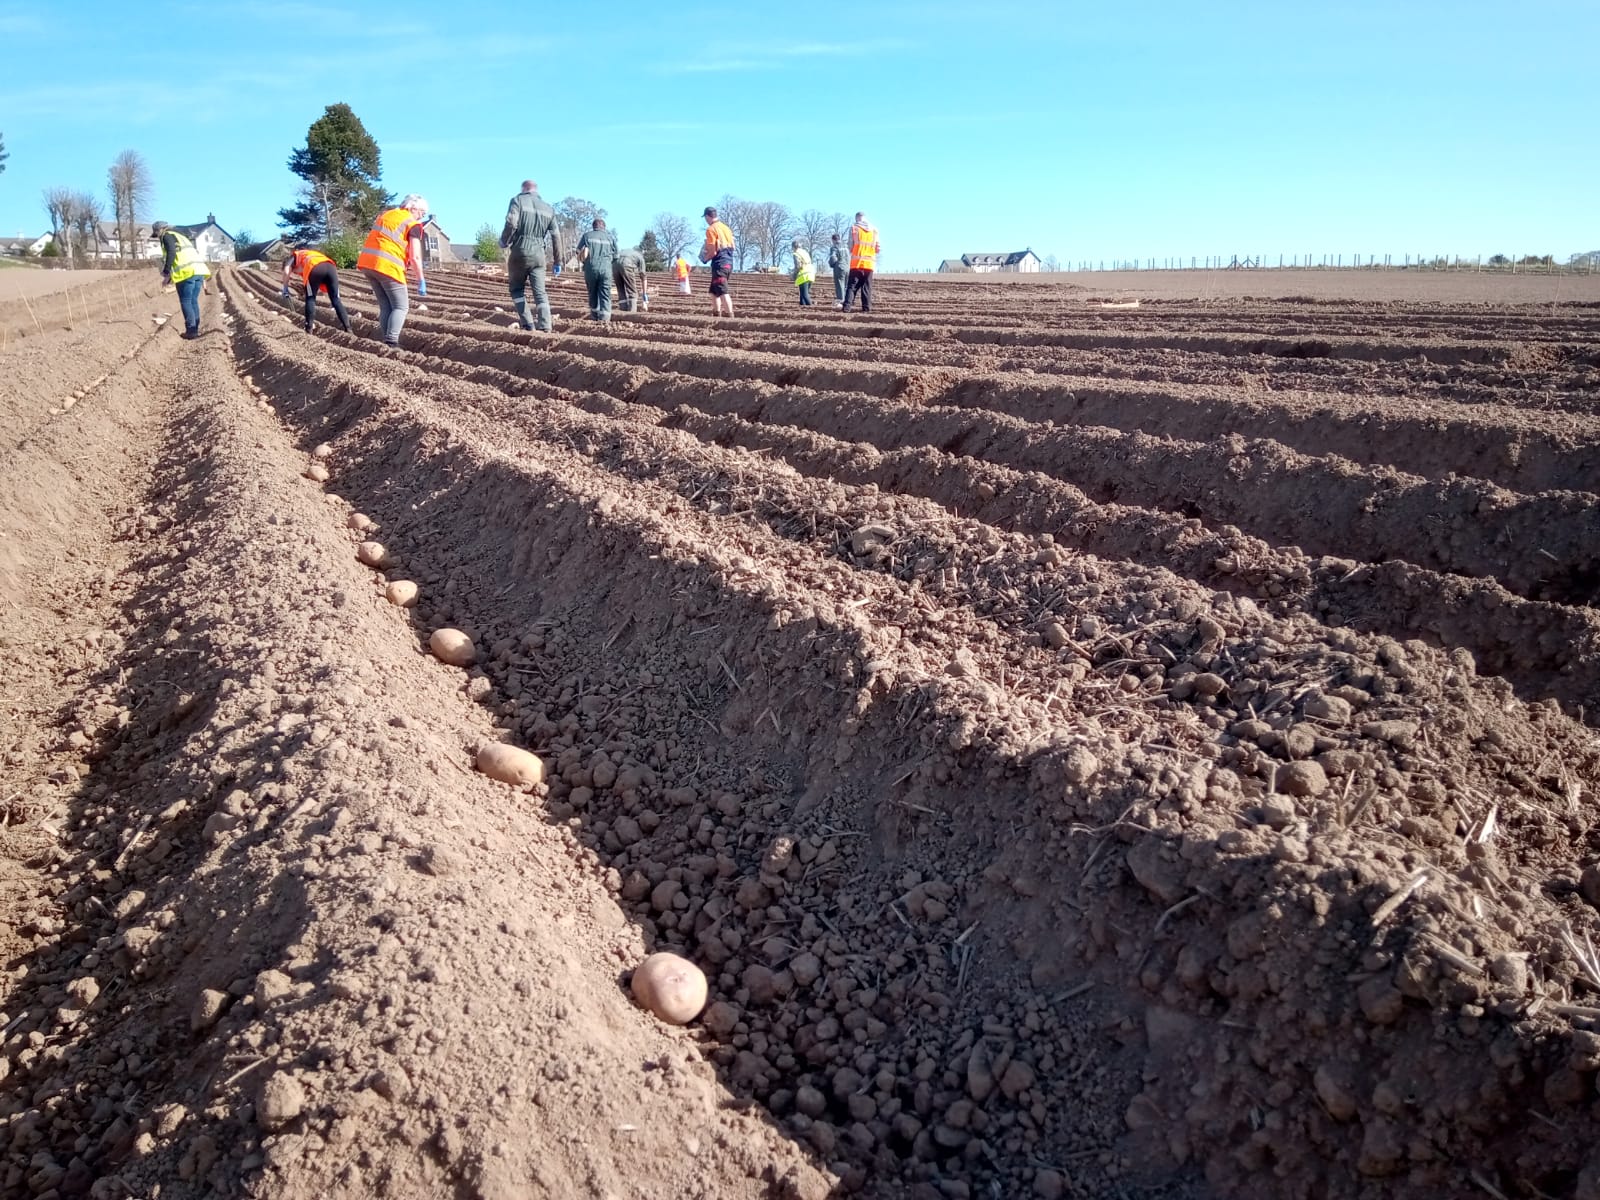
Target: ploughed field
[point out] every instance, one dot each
(1091, 751)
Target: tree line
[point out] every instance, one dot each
(341, 191)
(76, 215)
(763, 230)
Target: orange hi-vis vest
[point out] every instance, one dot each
(385, 248)
(682, 268)
(863, 248)
(718, 237)
(305, 261)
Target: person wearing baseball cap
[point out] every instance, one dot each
(718, 251)
(184, 268)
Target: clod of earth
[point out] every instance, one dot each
(870, 537)
(453, 647)
(283, 1098)
(672, 988)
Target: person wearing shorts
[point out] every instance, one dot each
(718, 252)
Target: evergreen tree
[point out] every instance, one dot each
(340, 170)
(654, 260)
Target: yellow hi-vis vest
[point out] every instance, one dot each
(863, 248)
(385, 248)
(186, 260)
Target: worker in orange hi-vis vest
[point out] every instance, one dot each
(718, 254)
(394, 246)
(317, 272)
(681, 270)
(864, 251)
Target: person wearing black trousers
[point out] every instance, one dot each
(317, 272)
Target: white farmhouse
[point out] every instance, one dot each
(1015, 262)
(213, 241)
(142, 246)
(23, 246)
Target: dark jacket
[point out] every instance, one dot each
(839, 259)
(628, 262)
(602, 247)
(529, 221)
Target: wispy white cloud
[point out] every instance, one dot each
(745, 56)
(639, 134)
(481, 47)
(142, 96)
(835, 49)
(307, 22)
(135, 101)
(707, 66)
(22, 24)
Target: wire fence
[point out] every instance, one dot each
(1528, 264)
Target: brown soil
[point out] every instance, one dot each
(1090, 752)
(1395, 284)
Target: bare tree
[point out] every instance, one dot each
(774, 229)
(813, 227)
(840, 224)
(58, 203)
(86, 215)
(576, 216)
(131, 192)
(673, 234)
(739, 216)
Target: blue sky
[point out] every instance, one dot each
(1087, 131)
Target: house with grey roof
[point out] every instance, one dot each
(214, 243)
(23, 246)
(274, 251)
(142, 245)
(1012, 262)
